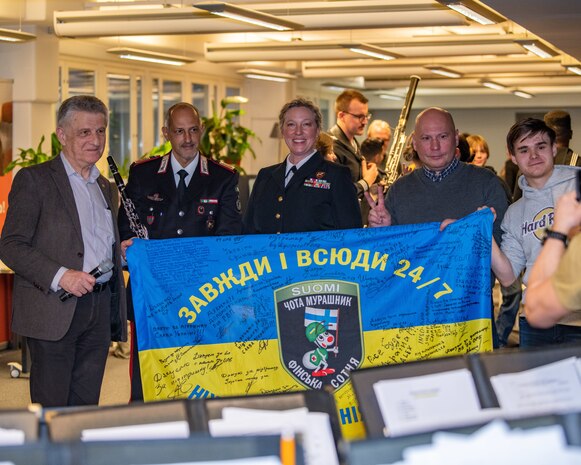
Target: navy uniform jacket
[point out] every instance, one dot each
(319, 196)
(212, 204)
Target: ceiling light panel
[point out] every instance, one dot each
(344, 15)
(442, 71)
(576, 69)
(474, 11)
(538, 48)
(184, 20)
(370, 51)
(390, 97)
(493, 85)
(245, 15)
(150, 57)
(266, 75)
(522, 94)
(10, 35)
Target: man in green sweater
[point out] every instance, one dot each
(444, 188)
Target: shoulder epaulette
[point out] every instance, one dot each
(222, 165)
(141, 161)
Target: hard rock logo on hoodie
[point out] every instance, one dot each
(541, 221)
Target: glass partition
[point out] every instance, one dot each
(81, 82)
(119, 89)
(155, 110)
(200, 98)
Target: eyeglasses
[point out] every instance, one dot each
(361, 118)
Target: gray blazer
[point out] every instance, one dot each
(42, 232)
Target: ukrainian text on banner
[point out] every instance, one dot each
(262, 314)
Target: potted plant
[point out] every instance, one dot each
(224, 139)
(31, 156)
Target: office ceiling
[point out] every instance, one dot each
(422, 34)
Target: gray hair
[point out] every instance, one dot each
(84, 103)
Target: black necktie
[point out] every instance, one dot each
(182, 186)
(289, 174)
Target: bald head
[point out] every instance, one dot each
(435, 138)
(433, 112)
(379, 129)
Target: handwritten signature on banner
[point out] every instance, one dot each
(276, 313)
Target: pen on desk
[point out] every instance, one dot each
(287, 448)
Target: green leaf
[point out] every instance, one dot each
(224, 139)
(34, 156)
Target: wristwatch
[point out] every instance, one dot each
(549, 233)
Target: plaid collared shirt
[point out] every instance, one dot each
(437, 177)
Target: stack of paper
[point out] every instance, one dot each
(169, 430)
(551, 388)
(11, 437)
(430, 402)
(250, 461)
(496, 443)
(313, 427)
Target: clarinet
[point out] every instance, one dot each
(134, 222)
(399, 138)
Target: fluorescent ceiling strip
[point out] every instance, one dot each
(246, 15)
(129, 56)
(538, 49)
(150, 57)
(370, 51)
(9, 35)
(444, 71)
(265, 77)
(493, 85)
(256, 22)
(574, 69)
(469, 13)
(522, 94)
(390, 97)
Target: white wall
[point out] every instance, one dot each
(266, 98)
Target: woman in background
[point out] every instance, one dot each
(479, 149)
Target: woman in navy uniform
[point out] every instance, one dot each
(305, 192)
(181, 194)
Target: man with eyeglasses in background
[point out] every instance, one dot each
(352, 116)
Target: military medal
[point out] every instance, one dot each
(317, 183)
(210, 222)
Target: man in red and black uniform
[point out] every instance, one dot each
(181, 194)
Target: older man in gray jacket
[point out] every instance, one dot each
(60, 226)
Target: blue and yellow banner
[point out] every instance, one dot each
(261, 314)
